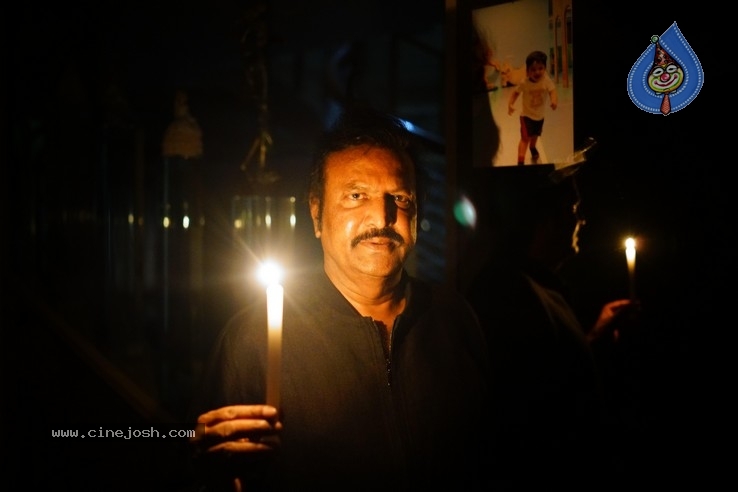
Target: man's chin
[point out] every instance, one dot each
(379, 267)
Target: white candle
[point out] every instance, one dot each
(630, 256)
(275, 298)
(275, 304)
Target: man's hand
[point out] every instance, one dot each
(609, 320)
(238, 429)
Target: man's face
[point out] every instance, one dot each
(566, 225)
(367, 221)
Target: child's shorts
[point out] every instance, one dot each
(530, 128)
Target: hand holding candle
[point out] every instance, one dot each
(630, 256)
(270, 274)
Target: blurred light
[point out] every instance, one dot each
(268, 212)
(293, 217)
(425, 225)
(465, 213)
(131, 218)
(165, 222)
(185, 222)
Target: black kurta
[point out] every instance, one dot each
(355, 417)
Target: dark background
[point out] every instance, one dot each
(83, 83)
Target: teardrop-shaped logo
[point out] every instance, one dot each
(667, 76)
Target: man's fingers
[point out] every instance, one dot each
(237, 412)
(615, 306)
(240, 446)
(239, 427)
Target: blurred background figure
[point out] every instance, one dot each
(550, 414)
(486, 134)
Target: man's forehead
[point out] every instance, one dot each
(360, 163)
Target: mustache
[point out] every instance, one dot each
(386, 232)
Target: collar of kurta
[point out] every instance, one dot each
(318, 282)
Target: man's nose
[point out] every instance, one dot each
(577, 211)
(383, 211)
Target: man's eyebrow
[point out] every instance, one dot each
(354, 184)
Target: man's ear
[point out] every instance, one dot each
(315, 215)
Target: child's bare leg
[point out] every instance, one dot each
(533, 150)
(522, 148)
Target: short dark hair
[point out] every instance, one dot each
(362, 125)
(536, 56)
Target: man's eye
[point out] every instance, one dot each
(403, 201)
(355, 196)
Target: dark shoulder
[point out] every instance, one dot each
(301, 289)
(312, 293)
(426, 296)
(254, 306)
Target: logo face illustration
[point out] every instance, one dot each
(667, 76)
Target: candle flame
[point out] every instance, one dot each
(630, 251)
(270, 273)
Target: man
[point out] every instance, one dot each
(548, 401)
(384, 378)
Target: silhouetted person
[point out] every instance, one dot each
(547, 395)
